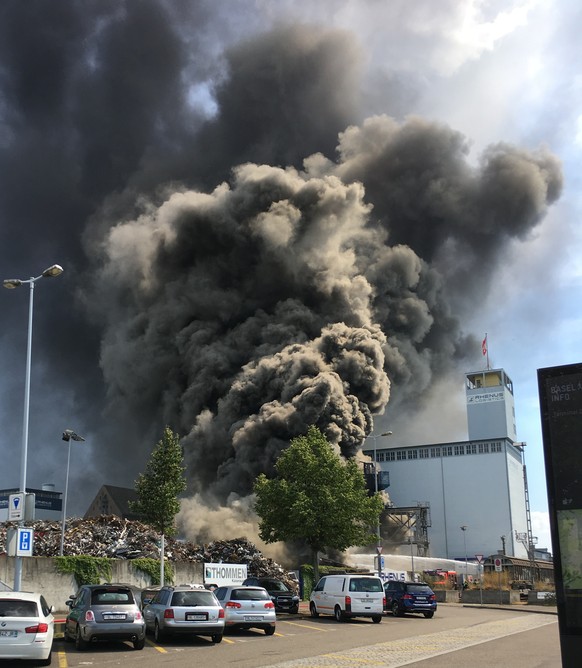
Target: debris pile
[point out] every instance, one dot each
(114, 537)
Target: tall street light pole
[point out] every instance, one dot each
(68, 435)
(378, 536)
(51, 272)
(464, 530)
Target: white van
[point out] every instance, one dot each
(349, 595)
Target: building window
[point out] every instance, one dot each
(413, 454)
(447, 451)
(471, 449)
(483, 448)
(435, 452)
(400, 455)
(459, 449)
(423, 453)
(496, 446)
(390, 456)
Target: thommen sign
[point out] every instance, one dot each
(225, 574)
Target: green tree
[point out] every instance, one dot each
(316, 497)
(159, 487)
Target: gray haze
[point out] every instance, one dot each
(248, 250)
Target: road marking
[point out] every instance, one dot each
(307, 626)
(410, 650)
(161, 650)
(62, 659)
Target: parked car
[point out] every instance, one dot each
(104, 612)
(247, 607)
(283, 598)
(348, 595)
(403, 597)
(184, 610)
(27, 628)
(147, 595)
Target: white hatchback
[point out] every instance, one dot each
(27, 627)
(247, 607)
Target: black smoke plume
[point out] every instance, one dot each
(245, 254)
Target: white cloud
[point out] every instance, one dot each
(540, 523)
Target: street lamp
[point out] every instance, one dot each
(52, 271)
(464, 530)
(378, 536)
(68, 435)
(411, 541)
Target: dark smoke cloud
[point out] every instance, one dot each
(228, 271)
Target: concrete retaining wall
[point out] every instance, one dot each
(446, 595)
(490, 596)
(40, 574)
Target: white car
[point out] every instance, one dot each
(27, 627)
(247, 607)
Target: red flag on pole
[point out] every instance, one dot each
(484, 345)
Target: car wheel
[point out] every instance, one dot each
(338, 614)
(216, 638)
(66, 636)
(80, 644)
(294, 611)
(396, 609)
(377, 619)
(139, 644)
(313, 610)
(428, 615)
(269, 630)
(159, 635)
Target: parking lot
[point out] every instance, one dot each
(302, 641)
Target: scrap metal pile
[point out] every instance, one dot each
(114, 537)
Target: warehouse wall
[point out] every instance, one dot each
(40, 574)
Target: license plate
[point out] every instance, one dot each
(195, 618)
(113, 615)
(9, 634)
(253, 618)
(421, 598)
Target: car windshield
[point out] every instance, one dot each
(419, 589)
(193, 598)
(273, 585)
(249, 595)
(104, 596)
(366, 584)
(14, 608)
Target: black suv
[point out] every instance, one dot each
(402, 597)
(283, 598)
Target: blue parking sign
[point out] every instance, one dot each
(24, 542)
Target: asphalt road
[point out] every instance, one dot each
(457, 636)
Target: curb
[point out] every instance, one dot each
(539, 610)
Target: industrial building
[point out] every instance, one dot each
(471, 496)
